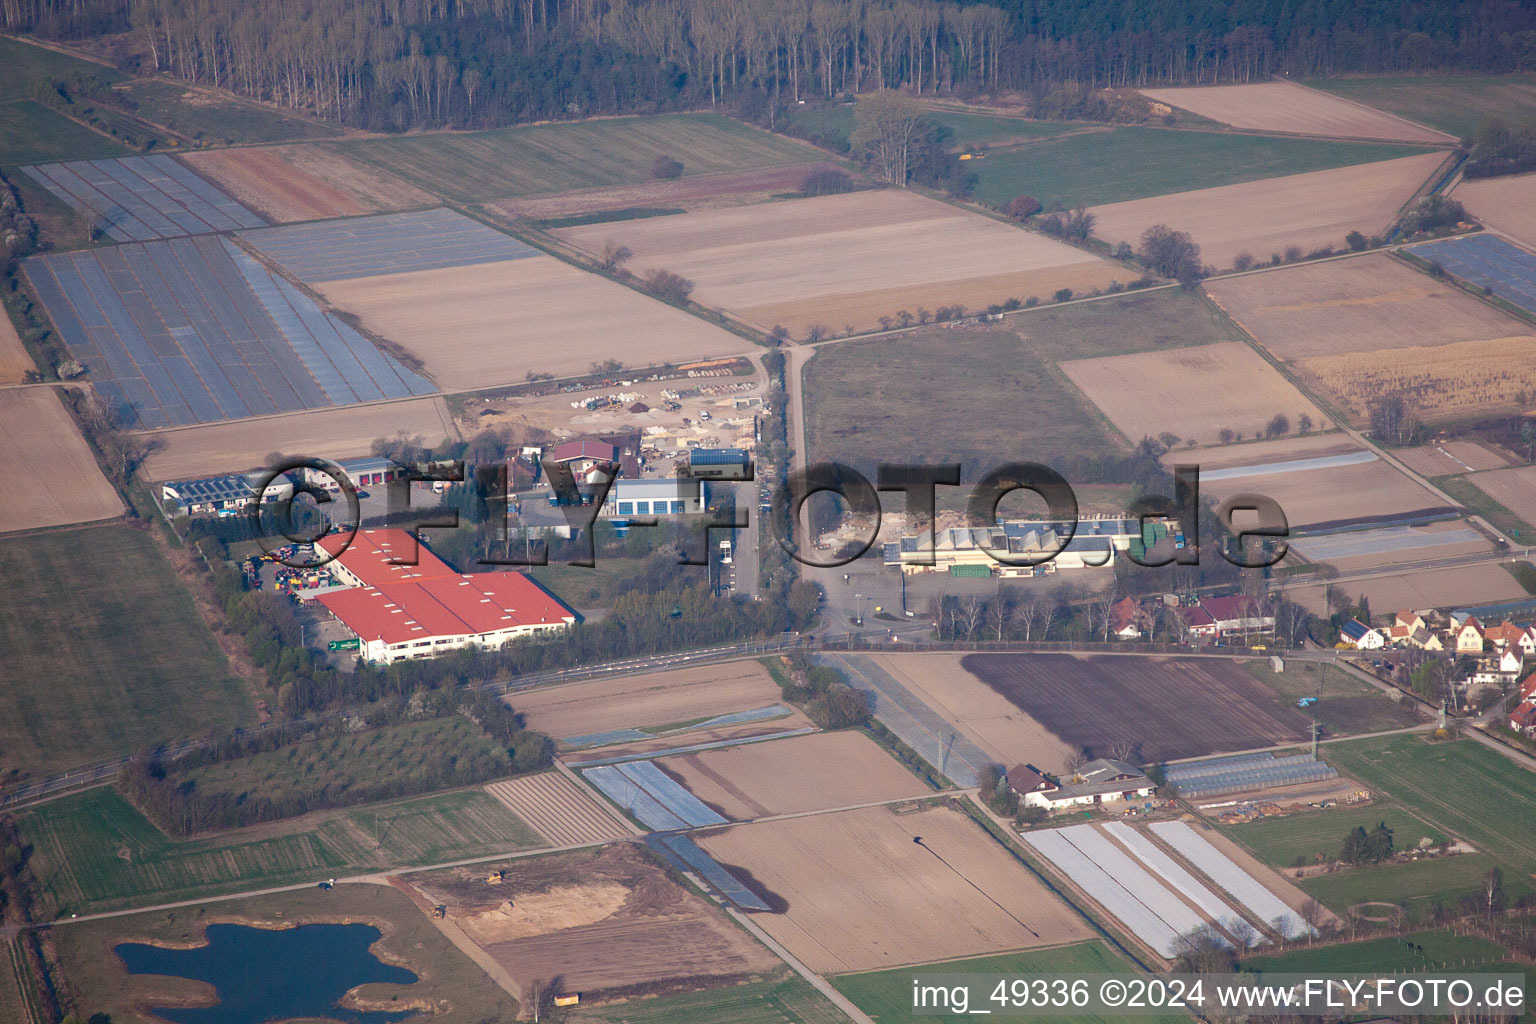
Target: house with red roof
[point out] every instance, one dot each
(1238, 614)
(1523, 719)
(403, 602)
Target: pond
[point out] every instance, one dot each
(263, 975)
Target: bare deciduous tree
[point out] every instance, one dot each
(887, 126)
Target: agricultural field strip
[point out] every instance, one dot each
(692, 858)
(1326, 547)
(1243, 887)
(1172, 872)
(143, 198)
(1290, 466)
(1489, 261)
(53, 479)
(555, 808)
(954, 755)
(1105, 890)
(1293, 108)
(390, 243)
(692, 747)
(1136, 880)
(192, 330)
(1504, 204)
(603, 739)
(648, 793)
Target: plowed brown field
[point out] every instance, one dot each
(862, 894)
(1295, 109)
(648, 700)
(305, 182)
(340, 433)
(1172, 707)
(1370, 303)
(1150, 393)
(849, 259)
(1265, 217)
(805, 773)
(607, 922)
(14, 360)
(51, 477)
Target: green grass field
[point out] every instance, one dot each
(835, 125)
(1279, 841)
(104, 652)
(887, 995)
(985, 396)
(21, 64)
(30, 133)
(215, 120)
(1417, 886)
(1441, 950)
(1462, 787)
(789, 1000)
(512, 162)
(457, 989)
(322, 770)
(95, 852)
(1348, 704)
(1118, 164)
(1451, 103)
(1457, 789)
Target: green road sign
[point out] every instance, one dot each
(345, 645)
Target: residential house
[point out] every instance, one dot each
(1426, 640)
(1505, 635)
(1467, 638)
(1498, 669)
(1359, 635)
(1413, 620)
(1523, 718)
(1031, 784)
(1103, 780)
(1125, 618)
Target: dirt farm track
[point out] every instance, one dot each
(1173, 707)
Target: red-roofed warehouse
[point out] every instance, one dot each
(422, 609)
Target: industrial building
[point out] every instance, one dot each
(971, 551)
(421, 609)
(720, 464)
(218, 495)
(665, 496)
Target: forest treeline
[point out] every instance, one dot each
(399, 64)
